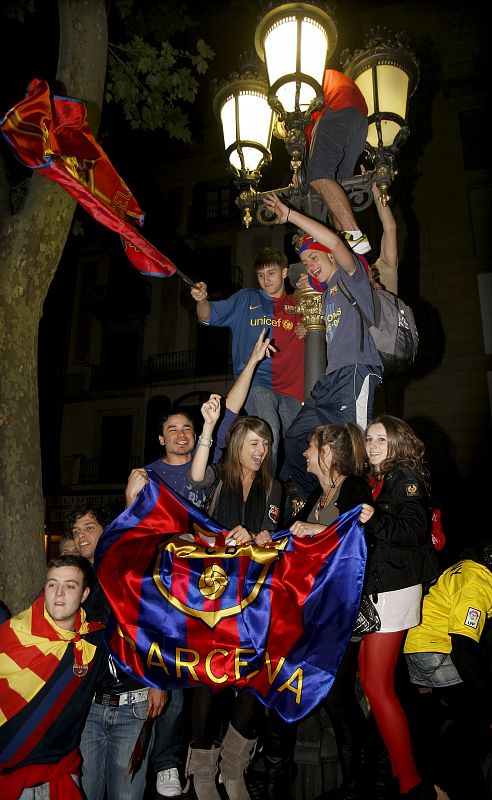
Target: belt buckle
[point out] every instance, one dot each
(114, 700)
(106, 699)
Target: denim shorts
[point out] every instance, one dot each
(432, 669)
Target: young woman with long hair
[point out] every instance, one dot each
(336, 457)
(400, 560)
(245, 499)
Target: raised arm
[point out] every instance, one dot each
(389, 243)
(200, 295)
(320, 232)
(238, 392)
(210, 413)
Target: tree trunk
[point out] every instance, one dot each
(31, 245)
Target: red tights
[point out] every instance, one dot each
(377, 662)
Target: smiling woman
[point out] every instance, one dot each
(401, 560)
(245, 499)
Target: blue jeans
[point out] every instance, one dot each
(279, 410)
(107, 743)
(345, 395)
(171, 742)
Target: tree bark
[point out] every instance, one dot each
(31, 245)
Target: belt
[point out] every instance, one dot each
(123, 699)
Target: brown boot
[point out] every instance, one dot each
(202, 764)
(235, 757)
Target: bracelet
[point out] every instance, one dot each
(202, 442)
(288, 214)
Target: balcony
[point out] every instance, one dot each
(169, 366)
(160, 368)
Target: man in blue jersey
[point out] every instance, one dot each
(277, 389)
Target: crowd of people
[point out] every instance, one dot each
(75, 725)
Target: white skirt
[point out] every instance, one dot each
(400, 609)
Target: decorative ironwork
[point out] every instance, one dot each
(309, 304)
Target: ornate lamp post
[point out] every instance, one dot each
(247, 120)
(295, 40)
(386, 71)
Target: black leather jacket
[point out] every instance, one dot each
(398, 535)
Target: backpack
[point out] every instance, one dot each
(394, 331)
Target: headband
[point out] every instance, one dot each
(309, 243)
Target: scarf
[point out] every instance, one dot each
(31, 648)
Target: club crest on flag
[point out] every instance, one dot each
(216, 587)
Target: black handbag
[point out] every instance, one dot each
(368, 620)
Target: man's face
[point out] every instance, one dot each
(63, 594)
(68, 548)
(271, 279)
(319, 264)
(178, 437)
(86, 534)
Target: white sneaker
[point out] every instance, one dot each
(168, 783)
(360, 245)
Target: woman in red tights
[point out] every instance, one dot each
(400, 560)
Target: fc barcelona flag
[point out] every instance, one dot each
(52, 136)
(191, 610)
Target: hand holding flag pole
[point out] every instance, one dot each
(52, 135)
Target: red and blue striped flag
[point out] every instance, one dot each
(191, 610)
(51, 135)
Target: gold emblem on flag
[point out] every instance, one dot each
(213, 580)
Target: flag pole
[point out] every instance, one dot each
(185, 278)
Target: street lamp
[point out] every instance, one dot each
(386, 71)
(295, 40)
(247, 120)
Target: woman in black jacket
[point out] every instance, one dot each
(400, 560)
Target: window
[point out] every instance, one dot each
(212, 205)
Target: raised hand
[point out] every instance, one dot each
(263, 347)
(275, 206)
(211, 409)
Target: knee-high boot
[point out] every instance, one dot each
(351, 763)
(235, 757)
(202, 764)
